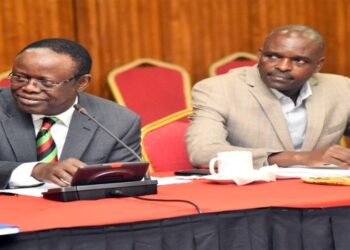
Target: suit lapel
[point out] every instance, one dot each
(316, 112)
(80, 132)
(20, 132)
(271, 107)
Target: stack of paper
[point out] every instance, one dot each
(300, 171)
(8, 229)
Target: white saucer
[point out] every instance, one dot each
(218, 178)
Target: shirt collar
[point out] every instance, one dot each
(64, 117)
(304, 93)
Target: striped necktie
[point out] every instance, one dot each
(45, 145)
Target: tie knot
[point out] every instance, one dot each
(48, 122)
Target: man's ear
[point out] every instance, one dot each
(83, 82)
(320, 64)
(259, 54)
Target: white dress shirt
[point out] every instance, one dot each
(21, 176)
(295, 114)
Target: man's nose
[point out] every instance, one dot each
(284, 64)
(32, 85)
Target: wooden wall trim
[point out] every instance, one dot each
(190, 33)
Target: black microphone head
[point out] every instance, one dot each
(79, 108)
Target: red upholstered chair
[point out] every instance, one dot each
(4, 81)
(234, 60)
(152, 88)
(163, 143)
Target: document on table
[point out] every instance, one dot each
(37, 191)
(175, 179)
(300, 171)
(8, 229)
(31, 191)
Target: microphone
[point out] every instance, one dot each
(83, 111)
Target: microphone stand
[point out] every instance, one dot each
(83, 111)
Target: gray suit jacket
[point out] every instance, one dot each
(85, 141)
(237, 111)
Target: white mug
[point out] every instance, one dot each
(231, 162)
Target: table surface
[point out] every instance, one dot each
(33, 213)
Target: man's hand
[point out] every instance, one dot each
(334, 154)
(59, 173)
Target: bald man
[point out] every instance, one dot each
(282, 109)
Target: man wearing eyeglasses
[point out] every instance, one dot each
(42, 138)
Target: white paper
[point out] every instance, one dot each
(6, 229)
(300, 171)
(254, 175)
(37, 191)
(243, 177)
(174, 179)
(34, 191)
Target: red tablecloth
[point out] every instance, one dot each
(32, 213)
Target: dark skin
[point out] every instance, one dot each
(46, 64)
(287, 60)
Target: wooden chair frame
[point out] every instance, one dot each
(158, 124)
(5, 74)
(117, 93)
(229, 58)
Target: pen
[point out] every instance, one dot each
(29, 186)
(8, 194)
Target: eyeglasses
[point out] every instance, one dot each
(42, 83)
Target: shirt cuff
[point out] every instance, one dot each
(21, 176)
